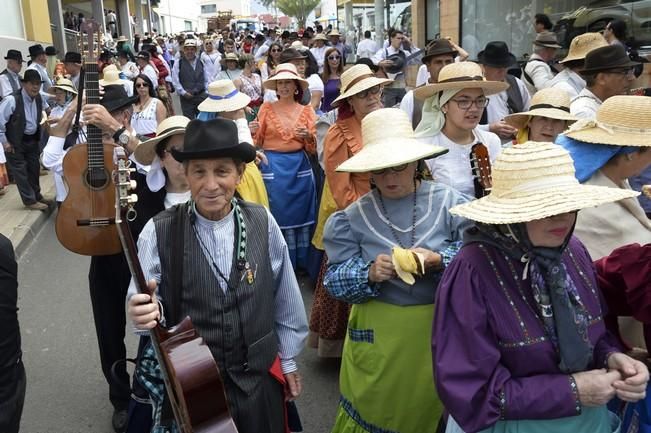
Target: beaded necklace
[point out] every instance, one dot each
(393, 228)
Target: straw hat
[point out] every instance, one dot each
(334, 32)
(389, 141)
(581, 45)
(112, 76)
(550, 102)
(190, 43)
(298, 45)
(621, 121)
(223, 96)
(356, 79)
(146, 151)
(229, 57)
(285, 71)
(320, 37)
(532, 181)
(63, 84)
(461, 75)
(547, 40)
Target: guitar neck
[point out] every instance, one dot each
(94, 134)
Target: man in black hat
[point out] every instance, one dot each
(39, 64)
(9, 78)
(608, 71)
(496, 60)
(72, 63)
(240, 290)
(20, 119)
(439, 53)
(537, 72)
(392, 60)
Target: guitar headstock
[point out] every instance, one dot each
(124, 199)
(481, 166)
(92, 44)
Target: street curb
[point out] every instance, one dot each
(26, 232)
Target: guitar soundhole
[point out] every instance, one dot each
(97, 178)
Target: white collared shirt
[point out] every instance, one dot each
(569, 81)
(585, 105)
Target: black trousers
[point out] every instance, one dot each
(26, 168)
(190, 106)
(109, 278)
(11, 409)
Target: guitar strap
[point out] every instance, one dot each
(72, 138)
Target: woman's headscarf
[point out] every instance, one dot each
(433, 118)
(563, 316)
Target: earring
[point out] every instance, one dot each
(296, 92)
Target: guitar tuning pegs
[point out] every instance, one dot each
(133, 184)
(133, 198)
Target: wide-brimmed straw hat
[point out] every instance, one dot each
(389, 141)
(63, 84)
(547, 40)
(223, 96)
(174, 125)
(356, 79)
(621, 121)
(461, 75)
(334, 32)
(550, 102)
(320, 37)
(285, 71)
(229, 57)
(112, 76)
(533, 181)
(581, 45)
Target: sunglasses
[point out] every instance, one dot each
(139, 85)
(334, 57)
(396, 169)
(276, 51)
(372, 91)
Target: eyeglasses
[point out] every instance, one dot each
(627, 71)
(372, 91)
(139, 85)
(396, 169)
(334, 57)
(465, 104)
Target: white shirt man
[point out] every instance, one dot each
(569, 81)
(366, 47)
(585, 105)
(537, 74)
(9, 78)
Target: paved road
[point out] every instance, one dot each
(66, 392)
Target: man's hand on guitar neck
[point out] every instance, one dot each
(143, 309)
(96, 114)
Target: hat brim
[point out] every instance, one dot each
(146, 151)
(360, 86)
(618, 138)
(385, 154)
(242, 151)
(520, 120)
(509, 61)
(489, 87)
(547, 45)
(237, 102)
(429, 55)
(590, 71)
(66, 88)
(119, 82)
(538, 205)
(271, 82)
(120, 103)
(16, 60)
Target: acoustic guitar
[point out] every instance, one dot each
(192, 380)
(480, 164)
(85, 222)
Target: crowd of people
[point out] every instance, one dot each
(473, 241)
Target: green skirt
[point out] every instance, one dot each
(386, 378)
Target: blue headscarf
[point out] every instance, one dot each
(590, 157)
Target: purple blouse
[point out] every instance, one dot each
(492, 358)
(330, 93)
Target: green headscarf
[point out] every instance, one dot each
(433, 118)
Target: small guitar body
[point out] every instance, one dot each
(480, 163)
(85, 222)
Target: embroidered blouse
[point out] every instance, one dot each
(278, 125)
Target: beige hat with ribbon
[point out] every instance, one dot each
(461, 75)
(334, 32)
(551, 103)
(581, 45)
(621, 120)
(389, 141)
(63, 84)
(229, 57)
(320, 37)
(223, 96)
(146, 151)
(112, 76)
(533, 181)
(356, 79)
(285, 71)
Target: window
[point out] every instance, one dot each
(12, 22)
(209, 9)
(187, 24)
(433, 22)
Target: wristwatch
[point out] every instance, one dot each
(122, 136)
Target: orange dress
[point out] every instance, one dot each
(329, 317)
(278, 123)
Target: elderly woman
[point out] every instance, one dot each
(225, 101)
(607, 152)
(548, 116)
(332, 70)
(285, 130)
(230, 67)
(148, 111)
(519, 342)
(386, 252)
(362, 94)
(451, 113)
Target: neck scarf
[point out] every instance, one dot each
(558, 305)
(433, 119)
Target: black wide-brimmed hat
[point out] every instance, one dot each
(14, 55)
(72, 57)
(496, 55)
(216, 138)
(115, 97)
(51, 51)
(606, 58)
(32, 76)
(439, 47)
(36, 50)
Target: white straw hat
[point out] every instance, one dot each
(112, 76)
(63, 84)
(285, 71)
(550, 102)
(320, 37)
(356, 79)
(146, 151)
(389, 141)
(223, 96)
(532, 181)
(461, 75)
(621, 121)
(581, 45)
